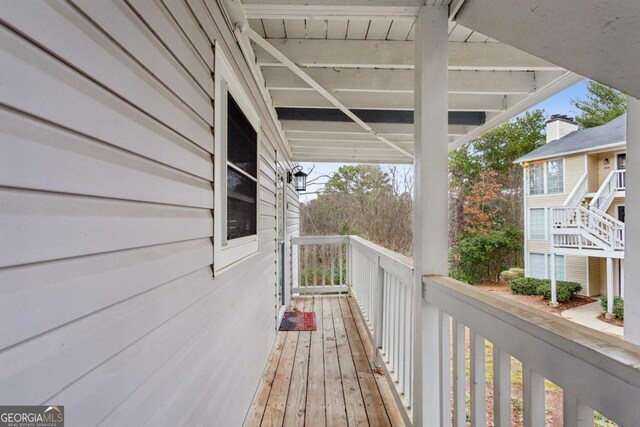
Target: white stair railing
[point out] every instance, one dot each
(578, 227)
(578, 192)
(615, 181)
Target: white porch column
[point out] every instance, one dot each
(430, 213)
(554, 283)
(610, 292)
(632, 225)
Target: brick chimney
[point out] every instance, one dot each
(560, 125)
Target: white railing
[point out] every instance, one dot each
(578, 192)
(589, 367)
(615, 181)
(383, 286)
(578, 227)
(460, 323)
(322, 263)
(381, 281)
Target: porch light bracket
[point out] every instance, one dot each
(298, 178)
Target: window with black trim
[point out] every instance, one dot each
(242, 181)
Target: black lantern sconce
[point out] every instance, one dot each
(298, 178)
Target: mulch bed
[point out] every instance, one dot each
(536, 300)
(614, 321)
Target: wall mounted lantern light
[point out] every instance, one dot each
(298, 178)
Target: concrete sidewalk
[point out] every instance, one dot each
(587, 315)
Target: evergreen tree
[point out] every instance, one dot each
(602, 105)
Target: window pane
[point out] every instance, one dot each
(537, 266)
(536, 179)
(537, 229)
(241, 205)
(242, 139)
(555, 177)
(559, 267)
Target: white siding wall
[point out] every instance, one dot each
(107, 300)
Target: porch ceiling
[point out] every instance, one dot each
(362, 51)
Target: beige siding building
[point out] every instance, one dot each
(575, 205)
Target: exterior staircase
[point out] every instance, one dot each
(583, 226)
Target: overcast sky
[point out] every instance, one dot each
(557, 104)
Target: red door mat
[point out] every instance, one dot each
(298, 321)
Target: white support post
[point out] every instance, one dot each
(610, 292)
(554, 283)
(430, 213)
(632, 223)
(533, 398)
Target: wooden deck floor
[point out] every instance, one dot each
(326, 377)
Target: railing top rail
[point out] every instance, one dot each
(579, 188)
(612, 355)
(319, 240)
(603, 187)
(396, 257)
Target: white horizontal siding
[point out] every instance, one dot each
(107, 297)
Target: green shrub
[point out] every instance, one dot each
(478, 258)
(510, 274)
(526, 285)
(618, 306)
(565, 290)
(531, 286)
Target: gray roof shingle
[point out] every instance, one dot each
(582, 140)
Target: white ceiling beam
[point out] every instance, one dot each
(384, 101)
(345, 127)
(397, 54)
(380, 150)
(328, 9)
(381, 80)
(322, 9)
(597, 39)
(353, 157)
(280, 57)
(374, 145)
(327, 136)
(519, 106)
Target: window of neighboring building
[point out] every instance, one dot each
(560, 270)
(536, 178)
(540, 266)
(537, 224)
(546, 177)
(236, 157)
(555, 176)
(537, 266)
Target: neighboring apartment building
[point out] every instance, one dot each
(575, 205)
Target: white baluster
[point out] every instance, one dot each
(477, 380)
(575, 413)
(459, 376)
(533, 398)
(501, 388)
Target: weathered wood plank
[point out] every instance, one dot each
(376, 411)
(259, 404)
(315, 405)
(296, 400)
(274, 413)
(335, 407)
(354, 403)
